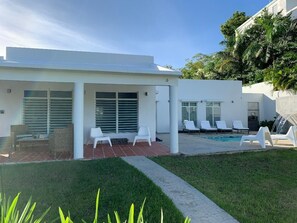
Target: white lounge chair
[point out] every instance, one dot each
(221, 125)
(143, 134)
(97, 135)
(206, 126)
(262, 135)
(291, 136)
(237, 125)
(190, 126)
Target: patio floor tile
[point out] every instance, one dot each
(101, 151)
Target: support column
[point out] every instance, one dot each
(173, 119)
(78, 120)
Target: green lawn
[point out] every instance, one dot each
(73, 185)
(251, 186)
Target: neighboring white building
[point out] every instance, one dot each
(202, 100)
(218, 100)
(275, 6)
(275, 103)
(51, 88)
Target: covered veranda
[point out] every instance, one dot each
(82, 71)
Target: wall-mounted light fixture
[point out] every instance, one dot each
(8, 91)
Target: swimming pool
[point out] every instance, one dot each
(226, 138)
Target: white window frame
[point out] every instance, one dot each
(213, 105)
(30, 115)
(48, 110)
(190, 105)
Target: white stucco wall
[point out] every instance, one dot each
(254, 97)
(12, 102)
(200, 91)
(162, 103)
(269, 98)
(286, 106)
(265, 88)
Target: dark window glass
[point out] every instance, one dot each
(35, 94)
(105, 95)
(61, 94)
(127, 95)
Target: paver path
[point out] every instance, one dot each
(186, 198)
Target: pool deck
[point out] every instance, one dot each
(197, 144)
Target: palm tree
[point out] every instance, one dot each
(267, 44)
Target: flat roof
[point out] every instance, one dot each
(82, 61)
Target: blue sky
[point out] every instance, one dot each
(170, 30)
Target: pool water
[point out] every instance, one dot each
(227, 138)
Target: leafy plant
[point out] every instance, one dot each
(9, 211)
(131, 218)
(269, 124)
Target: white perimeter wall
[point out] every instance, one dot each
(229, 93)
(12, 102)
(253, 97)
(268, 101)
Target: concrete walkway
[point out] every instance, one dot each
(186, 198)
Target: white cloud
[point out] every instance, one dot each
(22, 27)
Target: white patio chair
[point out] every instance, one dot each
(221, 125)
(291, 136)
(237, 125)
(206, 126)
(190, 126)
(143, 134)
(262, 135)
(97, 135)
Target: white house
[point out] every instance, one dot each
(274, 7)
(219, 100)
(202, 100)
(50, 88)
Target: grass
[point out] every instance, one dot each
(72, 185)
(251, 186)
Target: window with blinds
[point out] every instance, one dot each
(117, 112)
(44, 111)
(60, 109)
(35, 108)
(127, 112)
(106, 111)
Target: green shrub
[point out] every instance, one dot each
(269, 124)
(9, 211)
(131, 218)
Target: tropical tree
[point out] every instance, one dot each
(228, 29)
(196, 68)
(268, 39)
(221, 65)
(270, 48)
(265, 51)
